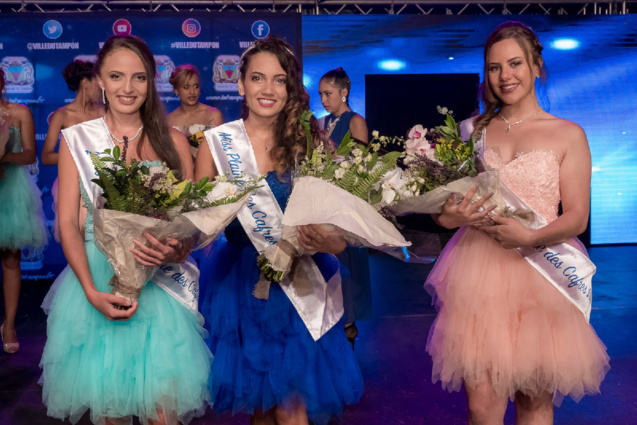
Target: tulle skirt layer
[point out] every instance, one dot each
(22, 221)
(264, 355)
(157, 360)
(500, 321)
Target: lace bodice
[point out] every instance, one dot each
(89, 205)
(534, 176)
(281, 188)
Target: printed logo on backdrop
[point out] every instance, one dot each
(86, 58)
(191, 28)
(19, 74)
(165, 67)
(260, 29)
(122, 27)
(226, 73)
(52, 29)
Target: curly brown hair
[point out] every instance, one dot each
(532, 48)
(291, 142)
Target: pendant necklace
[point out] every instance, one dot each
(126, 139)
(509, 125)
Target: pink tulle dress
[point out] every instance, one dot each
(499, 320)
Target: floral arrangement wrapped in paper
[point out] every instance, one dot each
(138, 199)
(195, 137)
(439, 164)
(343, 189)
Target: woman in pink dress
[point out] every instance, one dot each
(503, 329)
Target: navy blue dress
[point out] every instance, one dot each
(357, 286)
(263, 353)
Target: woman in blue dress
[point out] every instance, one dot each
(334, 88)
(267, 363)
(103, 354)
(21, 215)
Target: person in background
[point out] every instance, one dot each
(191, 116)
(334, 88)
(22, 220)
(86, 106)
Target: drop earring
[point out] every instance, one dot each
(103, 97)
(344, 99)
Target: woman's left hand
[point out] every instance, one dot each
(508, 232)
(314, 238)
(170, 251)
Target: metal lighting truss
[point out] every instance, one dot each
(331, 7)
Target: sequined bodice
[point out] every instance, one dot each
(534, 176)
(281, 188)
(89, 205)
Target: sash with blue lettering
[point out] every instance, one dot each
(567, 268)
(261, 219)
(181, 281)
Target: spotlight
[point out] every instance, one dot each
(565, 44)
(450, 58)
(307, 81)
(391, 65)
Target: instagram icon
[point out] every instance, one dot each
(191, 28)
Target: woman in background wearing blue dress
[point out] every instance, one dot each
(267, 364)
(21, 215)
(148, 359)
(334, 88)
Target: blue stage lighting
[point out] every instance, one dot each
(565, 44)
(391, 65)
(307, 81)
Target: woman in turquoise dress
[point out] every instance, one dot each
(21, 215)
(267, 364)
(334, 88)
(103, 354)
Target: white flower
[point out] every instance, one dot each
(195, 128)
(368, 157)
(443, 110)
(222, 190)
(375, 147)
(375, 134)
(418, 145)
(388, 195)
(221, 178)
(357, 152)
(345, 164)
(339, 173)
(360, 169)
(155, 170)
(358, 160)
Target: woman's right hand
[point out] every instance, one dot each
(465, 213)
(107, 304)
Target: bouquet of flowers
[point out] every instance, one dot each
(440, 164)
(342, 189)
(195, 137)
(139, 199)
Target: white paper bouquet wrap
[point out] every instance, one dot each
(316, 201)
(115, 231)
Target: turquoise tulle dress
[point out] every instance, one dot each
(264, 355)
(21, 217)
(119, 369)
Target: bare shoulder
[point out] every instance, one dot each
(570, 134)
(178, 137)
(19, 111)
(212, 114)
(358, 120)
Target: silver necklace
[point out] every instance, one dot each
(509, 125)
(126, 139)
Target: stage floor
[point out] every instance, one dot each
(391, 351)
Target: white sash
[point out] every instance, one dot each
(262, 222)
(568, 269)
(181, 281)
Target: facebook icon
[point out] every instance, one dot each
(260, 29)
